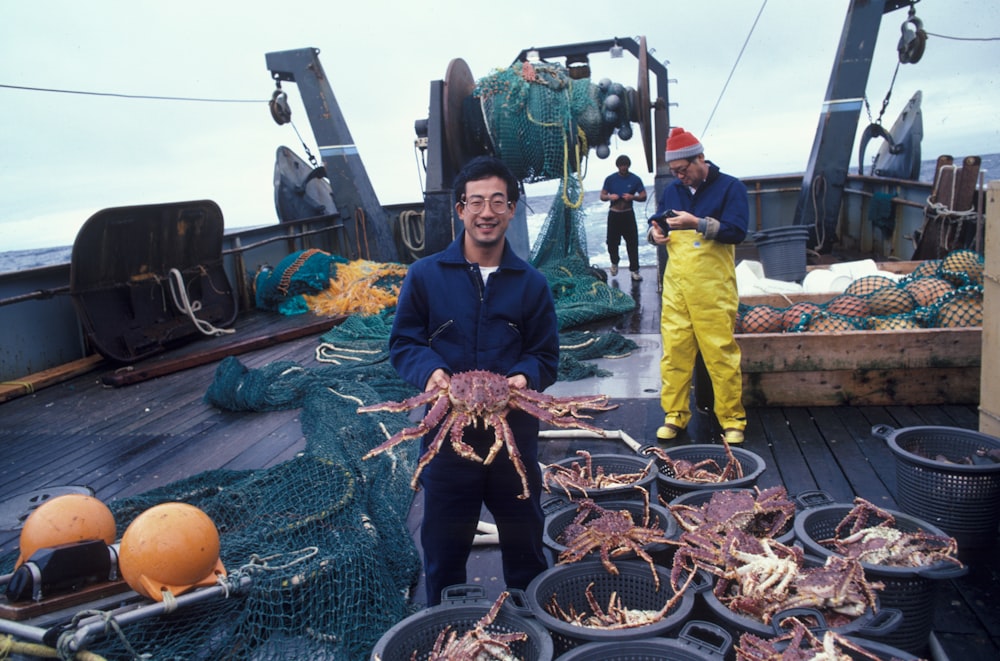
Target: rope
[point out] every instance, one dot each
(29, 387)
(739, 56)
(10, 647)
(361, 227)
(327, 353)
(187, 307)
(411, 230)
(817, 221)
(110, 623)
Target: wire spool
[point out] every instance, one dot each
(458, 86)
(643, 104)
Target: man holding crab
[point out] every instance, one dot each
(476, 305)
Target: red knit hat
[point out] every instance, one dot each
(681, 144)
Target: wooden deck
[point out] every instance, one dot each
(125, 440)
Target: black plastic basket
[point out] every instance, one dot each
(461, 608)
(963, 500)
(634, 584)
(871, 623)
(697, 641)
(611, 464)
(880, 651)
(702, 496)
(911, 590)
(669, 487)
(556, 522)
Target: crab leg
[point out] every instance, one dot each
(435, 415)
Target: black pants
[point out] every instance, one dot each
(455, 489)
(621, 225)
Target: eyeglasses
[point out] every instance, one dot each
(477, 203)
(681, 171)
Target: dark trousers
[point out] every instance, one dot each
(455, 489)
(621, 225)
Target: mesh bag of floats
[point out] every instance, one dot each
(945, 293)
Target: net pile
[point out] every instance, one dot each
(560, 252)
(317, 550)
(314, 280)
(945, 293)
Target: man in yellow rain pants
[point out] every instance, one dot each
(700, 217)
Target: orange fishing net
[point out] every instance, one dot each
(359, 287)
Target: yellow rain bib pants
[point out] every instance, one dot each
(700, 302)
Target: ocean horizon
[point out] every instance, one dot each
(538, 206)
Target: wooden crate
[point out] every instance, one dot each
(859, 368)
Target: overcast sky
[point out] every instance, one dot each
(64, 157)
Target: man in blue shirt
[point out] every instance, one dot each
(621, 188)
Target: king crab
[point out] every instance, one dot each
(612, 532)
(481, 396)
(704, 471)
(799, 644)
(762, 577)
(762, 513)
(872, 537)
(477, 643)
(583, 477)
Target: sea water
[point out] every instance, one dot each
(537, 207)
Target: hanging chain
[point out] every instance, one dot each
(885, 101)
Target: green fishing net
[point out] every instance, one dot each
(540, 121)
(319, 558)
(304, 272)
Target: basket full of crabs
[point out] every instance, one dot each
(467, 625)
(949, 477)
(757, 580)
(688, 468)
(793, 639)
(620, 529)
(907, 556)
(600, 477)
(583, 602)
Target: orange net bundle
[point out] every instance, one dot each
(358, 287)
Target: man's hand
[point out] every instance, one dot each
(683, 220)
(657, 236)
(517, 381)
(439, 380)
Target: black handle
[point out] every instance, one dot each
(706, 637)
(884, 622)
(815, 498)
(463, 592)
(799, 613)
(883, 432)
(942, 570)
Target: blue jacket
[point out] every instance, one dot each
(721, 196)
(446, 317)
